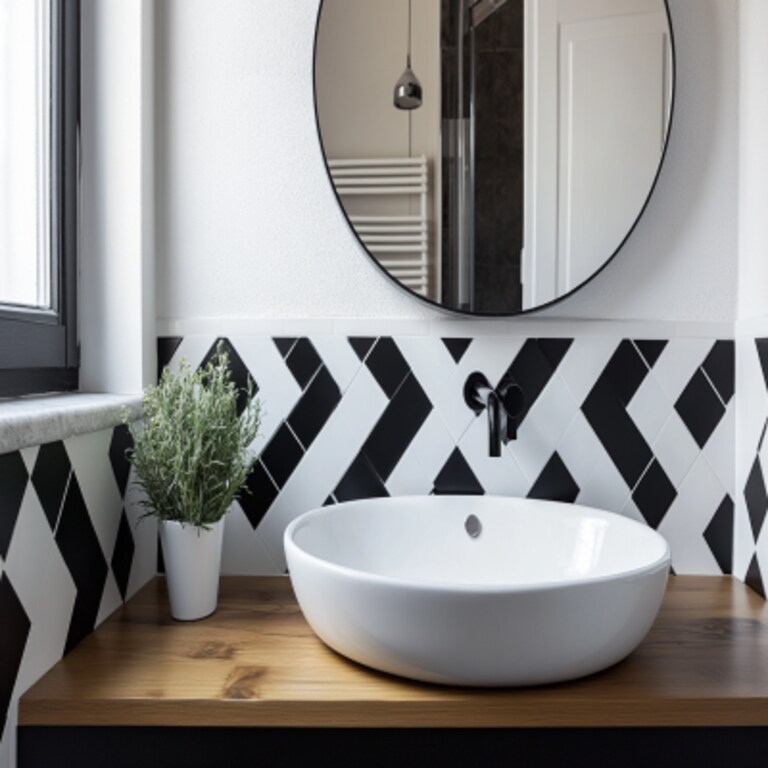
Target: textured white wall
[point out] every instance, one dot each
(753, 231)
(248, 225)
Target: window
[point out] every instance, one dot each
(39, 114)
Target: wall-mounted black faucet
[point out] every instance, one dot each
(505, 404)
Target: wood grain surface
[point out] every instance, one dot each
(256, 663)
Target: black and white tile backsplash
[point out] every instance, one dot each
(643, 427)
(70, 553)
(752, 456)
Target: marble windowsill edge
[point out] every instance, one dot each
(31, 421)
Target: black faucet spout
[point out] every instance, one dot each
(497, 424)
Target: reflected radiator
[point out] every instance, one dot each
(399, 242)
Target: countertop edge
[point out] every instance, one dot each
(26, 422)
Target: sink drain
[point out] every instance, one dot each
(473, 526)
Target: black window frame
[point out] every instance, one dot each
(39, 349)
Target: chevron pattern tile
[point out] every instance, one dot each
(71, 551)
(643, 427)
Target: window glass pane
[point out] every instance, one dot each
(25, 262)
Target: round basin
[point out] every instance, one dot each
(477, 590)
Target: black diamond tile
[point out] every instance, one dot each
(49, 477)
(362, 345)
(15, 630)
(555, 350)
(260, 496)
(121, 442)
(238, 369)
(555, 482)
(457, 347)
(360, 481)
(719, 535)
(397, 426)
(754, 579)
(720, 366)
(314, 408)
(303, 362)
(654, 494)
(650, 349)
(457, 476)
(330, 501)
(13, 483)
(282, 455)
(762, 353)
(387, 365)
(166, 348)
(82, 553)
(624, 373)
(756, 497)
(122, 556)
(700, 408)
(284, 344)
(617, 432)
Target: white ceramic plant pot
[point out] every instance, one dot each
(192, 564)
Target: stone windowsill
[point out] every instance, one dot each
(29, 421)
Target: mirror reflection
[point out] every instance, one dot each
(492, 155)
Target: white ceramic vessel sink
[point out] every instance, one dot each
(542, 592)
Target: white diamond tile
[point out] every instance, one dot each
(278, 390)
(430, 362)
(111, 599)
(579, 448)
(743, 540)
(431, 446)
(631, 511)
(544, 425)
(675, 449)
(339, 357)
(500, 476)
(605, 487)
(649, 408)
(719, 449)
(686, 520)
(29, 456)
(44, 586)
(678, 363)
(584, 362)
(243, 551)
(89, 455)
(408, 478)
(144, 531)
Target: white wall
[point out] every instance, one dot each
(116, 307)
(753, 231)
(248, 226)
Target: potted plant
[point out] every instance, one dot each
(191, 458)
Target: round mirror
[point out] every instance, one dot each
(493, 155)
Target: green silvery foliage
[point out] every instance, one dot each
(190, 451)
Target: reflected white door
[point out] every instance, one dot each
(597, 109)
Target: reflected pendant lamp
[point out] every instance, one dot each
(408, 88)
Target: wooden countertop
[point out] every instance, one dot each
(256, 662)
